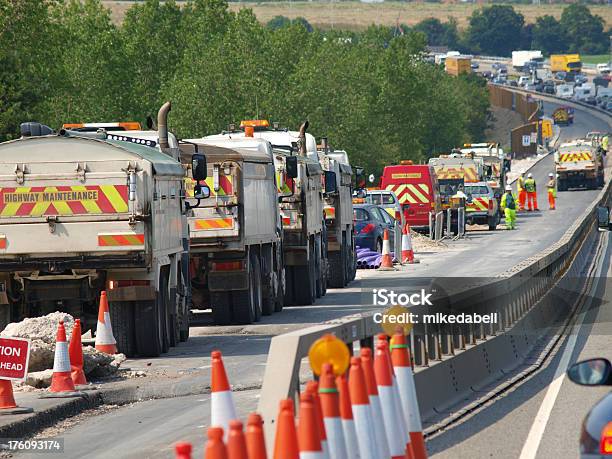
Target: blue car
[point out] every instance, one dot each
(370, 223)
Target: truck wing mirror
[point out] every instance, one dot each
(198, 167)
(331, 186)
(291, 164)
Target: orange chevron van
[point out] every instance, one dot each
(416, 188)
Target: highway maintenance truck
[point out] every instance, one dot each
(338, 211)
(235, 229)
(495, 164)
(301, 206)
(82, 213)
(579, 164)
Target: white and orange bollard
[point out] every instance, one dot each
(61, 381)
(346, 415)
(222, 405)
(407, 251)
(105, 340)
(330, 406)
(309, 440)
(286, 440)
(379, 427)
(397, 436)
(386, 262)
(312, 387)
(400, 357)
(362, 412)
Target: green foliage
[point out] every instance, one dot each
(548, 35)
(439, 33)
(370, 93)
(495, 30)
(584, 31)
(282, 21)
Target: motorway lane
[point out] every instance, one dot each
(501, 428)
(483, 253)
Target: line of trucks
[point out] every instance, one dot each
(242, 223)
(478, 170)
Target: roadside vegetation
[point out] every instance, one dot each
(369, 92)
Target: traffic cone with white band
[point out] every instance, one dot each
(61, 381)
(392, 419)
(330, 406)
(379, 427)
(222, 405)
(407, 252)
(75, 351)
(346, 414)
(236, 443)
(105, 340)
(308, 429)
(362, 411)
(386, 262)
(215, 448)
(408, 396)
(313, 388)
(255, 442)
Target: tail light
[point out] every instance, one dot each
(367, 229)
(229, 266)
(606, 439)
(127, 283)
(490, 204)
(398, 215)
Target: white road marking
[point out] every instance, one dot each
(530, 448)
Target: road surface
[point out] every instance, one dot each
(148, 429)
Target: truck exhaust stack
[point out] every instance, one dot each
(162, 125)
(303, 129)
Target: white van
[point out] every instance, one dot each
(566, 91)
(603, 69)
(584, 91)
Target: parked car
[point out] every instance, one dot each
(608, 106)
(591, 100)
(523, 80)
(475, 65)
(599, 81)
(596, 431)
(603, 68)
(549, 87)
(513, 83)
(487, 74)
(580, 79)
(370, 222)
(560, 76)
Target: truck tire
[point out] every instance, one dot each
(319, 271)
(164, 309)
(280, 293)
(221, 305)
(353, 258)
(562, 185)
(268, 277)
(304, 282)
(246, 304)
(148, 331)
(122, 321)
(493, 222)
(336, 272)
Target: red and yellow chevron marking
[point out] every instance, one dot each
(120, 239)
(3, 242)
(478, 205)
(469, 174)
(329, 212)
(40, 201)
(207, 224)
(284, 184)
(571, 157)
(411, 193)
(226, 186)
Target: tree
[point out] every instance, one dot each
(438, 33)
(282, 21)
(495, 30)
(548, 35)
(584, 31)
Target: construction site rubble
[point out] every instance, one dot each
(42, 332)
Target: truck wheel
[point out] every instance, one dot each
(319, 271)
(221, 305)
(164, 309)
(492, 222)
(148, 331)
(246, 304)
(336, 271)
(122, 321)
(304, 282)
(353, 255)
(268, 302)
(280, 293)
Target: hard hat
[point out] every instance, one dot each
(551, 175)
(530, 175)
(508, 188)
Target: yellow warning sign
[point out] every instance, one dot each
(547, 130)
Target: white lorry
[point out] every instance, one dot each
(520, 59)
(82, 213)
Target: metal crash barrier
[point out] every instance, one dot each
(451, 361)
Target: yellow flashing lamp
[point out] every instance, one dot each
(329, 349)
(358, 201)
(255, 123)
(406, 162)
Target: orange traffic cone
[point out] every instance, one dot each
(255, 442)
(330, 406)
(222, 405)
(105, 340)
(286, 441)
(75, 351)
(309, 440)
(366, 438)
(400, 357)
(7, 400)
(61, 382)
(367, 364)
(407, 252)
(397, 436)
(236, 443)
(215, 448)
(313, 388)
(182, 450)
(386, 262)
(346, 413)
